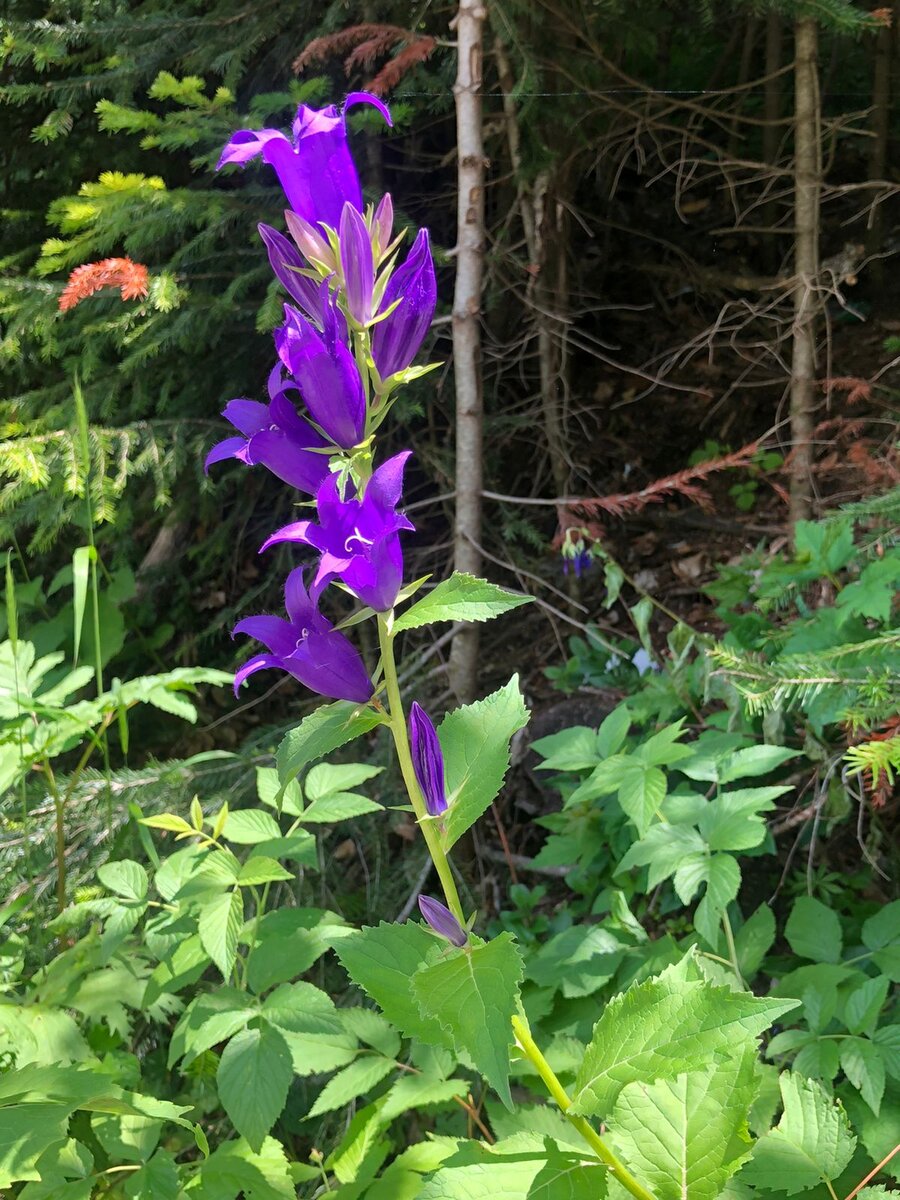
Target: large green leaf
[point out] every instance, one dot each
(642, 790)
(236, 1170)
(26, 1131)
(382, 960)
(354, 1080)
(253, 1078)
(663, 1027)
(210, 1018)
(477, 1172)
(475, 741)
(460, 598)
(124, 877)
(684, 1137)
(330, 726)
(311, 1026)
(474, 994)
(814, 931)
(219, 926)
(811, 1144)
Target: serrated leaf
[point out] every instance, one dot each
(684, 1137)
(268, 789)
(235, 1170)
(357, 1079)
(754, 940)
(287, 943)
(754, 761)
(863, 1064)
(260, 869)
(219, 925)
(156, 1180)
(419, 1091)
(328, 778)
(253, 1078)
(311, 1026)
(209, 1019)
(663, 1027)
(662, 849)
(248, 826)
(124, 877)
(330, 726)
(811, 1144)
(732, 822)
(460, 598)
(477, 1172)
(642, 789)
(474, 993)
(339, 806)
(864, 1004)
(814, 931)
(475, 742)
(373, 1029)
(382, 960)
(883, 929)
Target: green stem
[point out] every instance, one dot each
(559, 1094)
(732, 949)
(397, 723)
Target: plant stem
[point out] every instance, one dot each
(401, 742)
(732, 949)
(559, 1094)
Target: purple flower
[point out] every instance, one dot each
(383, 224)
(357, 264)
(442, 921)
(396, 339)
(315, 169)
(312, 245)
(428, 760)
(275, 437)
(358, 540)
(325, 371)
(580, 561)
(287, 265)
(306, 646)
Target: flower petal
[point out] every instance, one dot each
(228, 448)
(287, 264)
(275, 633)
(331, 665)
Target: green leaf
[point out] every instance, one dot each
(754, 940)
(419, 1091)
(156, 1180)
(373, 1029)
(81, 565)
(814, 931)
(642, 790)
(811, 1144)
(235, 1170)
(357, 1079)
(328, 778)
(460, 598)
(572, 749)
(124, 877)
(864, 1004)
(884, 928)
(260, 869)
(220, 924)
(662, 849)
(685, 1137)
(311, 1026)
(287, 943)
(210, 1018)
(339, 806)
(253, 1078)
(324, 730)
(382, 960)
(662, 1027)
(248, 826)
(478, 1172)
(475, 741)
(268, 789)
(863, 1064)
(754, 761)
(26, 1132)
(732, 820)
(474, 994)
(169, 822)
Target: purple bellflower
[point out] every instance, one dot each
(442, 921)
(396, 339)
(307, 646)
(357, 264)
(325, 371)
(274, 436)
(287, 265)
(358, 540)
(428, 760)
(315, 169)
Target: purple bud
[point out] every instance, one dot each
(396, 339)
(287, 265)
(384, 224)
(442, 921)
(311, 244)
(357, 264)
(428, 760)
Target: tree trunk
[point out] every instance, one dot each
(771, 137)
(881, 118)
(470, 240)
(807, 186)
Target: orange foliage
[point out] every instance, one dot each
(129, 277)
(363, 44)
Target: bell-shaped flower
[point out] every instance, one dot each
(326, 373)
(273, 436)
(397, 338)
(428, 760)
(442, 921)
(287, 264)
(315, 167)
(307, 646)
(358, 540)
(357, 264)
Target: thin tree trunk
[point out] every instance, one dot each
(881, 118)
(771, 136)
(807, 187)
(470, 240)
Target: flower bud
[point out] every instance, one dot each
(396, 339)
(357, 264)
(428, 760)
(383, 225)
(311, 244)
(442, 921)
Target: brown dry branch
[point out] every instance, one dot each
(363, 44)
(857, 389)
